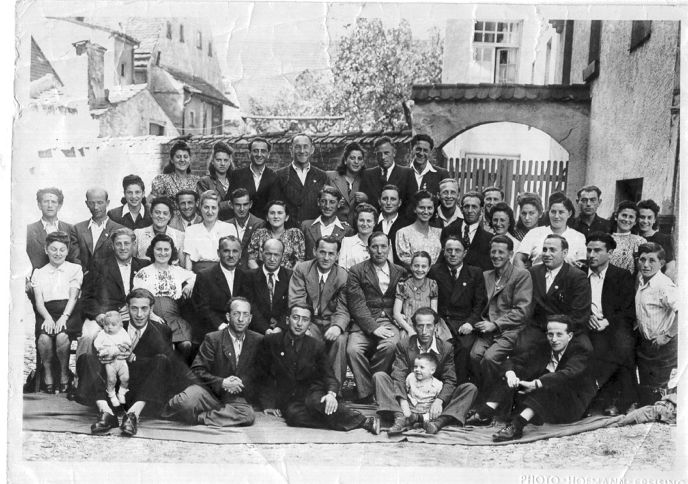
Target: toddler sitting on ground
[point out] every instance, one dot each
(108, 340)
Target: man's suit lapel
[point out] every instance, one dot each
(103, 235)
(343, 187)
(314, 229)
(313, 282)
(558, 279)
(222, 281)
(88, 238)
(460, 283)
(504, 280)
(262, 290)
(371, 275)
(115, 274)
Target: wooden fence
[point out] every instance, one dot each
(513, 176)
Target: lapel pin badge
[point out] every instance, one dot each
(463, 284)
(282, 353)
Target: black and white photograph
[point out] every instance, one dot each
(345, 242)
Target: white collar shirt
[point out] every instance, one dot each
(96, 230)
(50, 227)
(326, 230)
(596, 284)
(419, 175)
(433, 346)
(257, 175)
(125, 211)
(383, 276)
(229, 277)
(301, 173)
(550, 276)
(125, 271)
(238, 343)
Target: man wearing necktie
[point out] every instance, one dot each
(469, 229)
(267, 288)
(550, 384)
(558, 288)
(461, 299)
(224, 366)
(298, 381)
(321, 284)
(154, 371)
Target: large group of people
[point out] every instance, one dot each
(252, 288)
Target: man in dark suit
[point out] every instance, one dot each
(386, 173)
(470, 230)
(187, 204)
(49, 202)
(224, 366)
(299, 184)
(327, 224)
(461, 299)
(558, 288)
(373, 335)
(154, 372)
(321, 284)
(299, 383)
(133, 213)
(452, 403)
(91, 237)
(611, 325)
(268, 288)
(106, 286)
(509, 294)
(257, 178)
(491, 197)
(245, 222)
(391, 220)
(215, 286)
(553, 382)
(425, 175)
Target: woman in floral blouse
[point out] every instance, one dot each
(169, 284)
(420, 235)
(624, 222)
(176, 176)
(293, 240)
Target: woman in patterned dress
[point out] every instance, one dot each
(176, 176)
(293, 240)
(354, 248)
(420, 235)
(161, 213)
(169, 284)
(624, 223)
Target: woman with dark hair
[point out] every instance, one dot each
(56, 288)
(624, 223)
(420, 235)
(161, 213)
(347, 179)
(169, 284)
(502, 221)
(292, 239)
(219, 170)
(132, 214)
(355, 247)
(176, 176)
(529, 213)
(560, 211)
(647, 224)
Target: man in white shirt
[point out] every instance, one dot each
(425, 175)
(391, 220)
(448, 210)
(327, 224)
(91, 237)
(373, 180)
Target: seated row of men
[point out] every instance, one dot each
(352, 317)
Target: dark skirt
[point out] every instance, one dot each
(55, 309)
(168, 309)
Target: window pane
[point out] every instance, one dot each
(501, 26)
(477, 37)
(489, 26)
(489, 38)
(500, 38)
(478, 26)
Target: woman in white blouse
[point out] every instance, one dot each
(355, 248)
(169, 284)
(56, 288)
(560, 210)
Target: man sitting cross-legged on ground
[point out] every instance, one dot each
(298, 382)
(224, 367)
(154, 371)
(452, 402)
(554, 384)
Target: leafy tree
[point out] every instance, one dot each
(373, 70)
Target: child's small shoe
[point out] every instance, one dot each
(122, 395)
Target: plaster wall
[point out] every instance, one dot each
(132, 118)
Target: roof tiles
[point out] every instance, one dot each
(499, 92)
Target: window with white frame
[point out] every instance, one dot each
(495, 52)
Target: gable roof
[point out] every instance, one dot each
(198, 86)
(40, 65)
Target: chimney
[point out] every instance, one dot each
(97, 96)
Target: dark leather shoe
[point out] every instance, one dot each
(372, 425)
(510, 432)
(611, 411)
(369, 400)
(476, 420)
(398, 428)
(431, 427)
(106, 421)
(129, 425)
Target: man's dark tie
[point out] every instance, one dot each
(466, 238)
(320, 293)
(453, 272)
(384, 176)
(271, 286)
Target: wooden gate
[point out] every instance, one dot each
(513, 176)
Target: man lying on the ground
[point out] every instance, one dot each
(553, 385)
(298, 381)
(224, 367)
(452, 403)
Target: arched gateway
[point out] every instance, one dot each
(562, 111)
